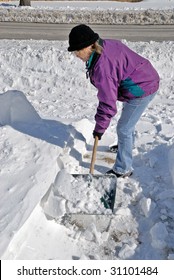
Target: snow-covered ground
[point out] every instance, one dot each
(47, 110)
(96, 12)
(145, 4)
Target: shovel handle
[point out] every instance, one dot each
(94, 155)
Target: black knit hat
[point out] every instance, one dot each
(81, 36)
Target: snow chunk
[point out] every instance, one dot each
(127, 251)
(166, 130)
(145, 204)
(53, 205)
(158, 234)
(87, 132)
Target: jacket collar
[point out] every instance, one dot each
(93, 59)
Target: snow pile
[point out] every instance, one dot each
(12, 115)
(90, 12)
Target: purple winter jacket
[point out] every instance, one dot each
(120, 74)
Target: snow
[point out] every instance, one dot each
(47, 110)
(94, 12)
(93, 5)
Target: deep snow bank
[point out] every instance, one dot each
(98, 16)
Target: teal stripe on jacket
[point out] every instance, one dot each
(132, 87)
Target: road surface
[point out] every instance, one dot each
(40, 31)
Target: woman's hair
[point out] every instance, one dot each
(96, 47)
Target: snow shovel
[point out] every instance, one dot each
(100, 190)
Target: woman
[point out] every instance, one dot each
(119, 74)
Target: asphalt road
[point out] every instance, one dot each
(39, 31)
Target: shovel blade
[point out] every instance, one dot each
(80, 194)
(97, 193)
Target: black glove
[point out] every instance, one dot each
(98, 134)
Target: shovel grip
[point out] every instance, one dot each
(94, 155)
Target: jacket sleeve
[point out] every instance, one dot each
(107, 86)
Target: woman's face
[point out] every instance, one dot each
(84, 54)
